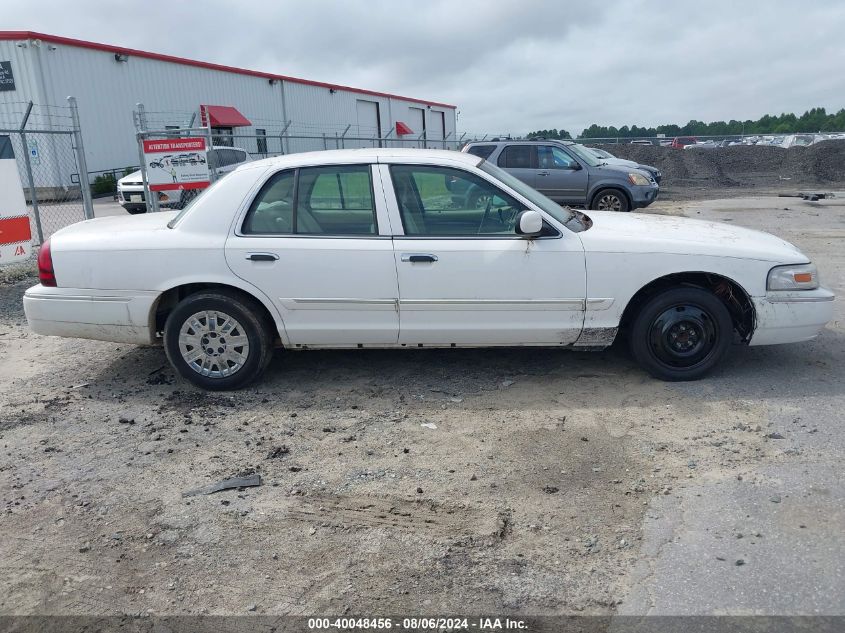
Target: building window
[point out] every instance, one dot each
(222, 136)
(261, 141)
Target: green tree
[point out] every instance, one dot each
(813, 120)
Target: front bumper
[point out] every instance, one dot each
(642, 196)
(791, 317)
(105, 315)
(134, 198)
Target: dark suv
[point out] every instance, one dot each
(570, 174)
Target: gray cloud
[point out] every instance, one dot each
(510, 66)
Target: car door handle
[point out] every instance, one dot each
(416, 258)
(542, 173)
(262, 257)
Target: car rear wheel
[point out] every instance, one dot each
(681, 334)
(610, 200)
(218, 340)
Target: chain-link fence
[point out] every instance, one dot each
(47, 142)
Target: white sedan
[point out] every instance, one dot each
(368, 248)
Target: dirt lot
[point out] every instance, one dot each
(511, 482)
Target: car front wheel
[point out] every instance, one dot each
(218, 340)
(610, 200)
(681, 334)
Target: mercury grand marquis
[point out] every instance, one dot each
(371, 249)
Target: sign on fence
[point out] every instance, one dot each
(176, 164)
(15, 233)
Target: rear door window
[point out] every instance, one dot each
(332, 200)
(518, 157)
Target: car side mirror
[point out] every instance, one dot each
(529, 224)
(576, 167)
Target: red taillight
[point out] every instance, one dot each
(46, 275)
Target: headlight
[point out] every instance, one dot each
(794, 277)
(639, 179)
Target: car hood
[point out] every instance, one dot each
(135, 176)
(648, 233)
(621, 161)
(611, 170)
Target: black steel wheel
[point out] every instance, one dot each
(681, 334)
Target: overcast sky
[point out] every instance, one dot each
(509, 65)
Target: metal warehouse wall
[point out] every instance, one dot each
(107, 92)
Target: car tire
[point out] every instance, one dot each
(477, 199)
(194, 327)
(681, 334)
(610, 200)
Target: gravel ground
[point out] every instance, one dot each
(746, 169)
(490, 481)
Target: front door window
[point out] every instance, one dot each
(442, 201)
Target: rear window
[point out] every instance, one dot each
(483, 151)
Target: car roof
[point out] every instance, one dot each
(524, 142)
(367, 155)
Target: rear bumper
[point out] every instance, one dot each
(791, 317)
(103, 315)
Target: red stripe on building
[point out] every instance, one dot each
(13, 230)
(69, 41)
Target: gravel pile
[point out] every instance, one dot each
(742, 165)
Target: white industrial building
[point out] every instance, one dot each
(242, 105)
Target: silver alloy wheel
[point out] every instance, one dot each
(610, 202)
(213, 344)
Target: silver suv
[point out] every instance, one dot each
(570, 174)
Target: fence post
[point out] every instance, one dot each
(282, 138)
(32, 195)
(81, 165)
(152, 204)
(212, 168)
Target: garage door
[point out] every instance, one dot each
(369, 122)
(437, 130)
(416, 120)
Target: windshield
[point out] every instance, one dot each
(584, 154)
(551, 207)
(601, 153)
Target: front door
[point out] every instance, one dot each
(560, 176)
(317, 242)
(466, 277)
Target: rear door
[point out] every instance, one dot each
(317, 241)
(560, 176)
